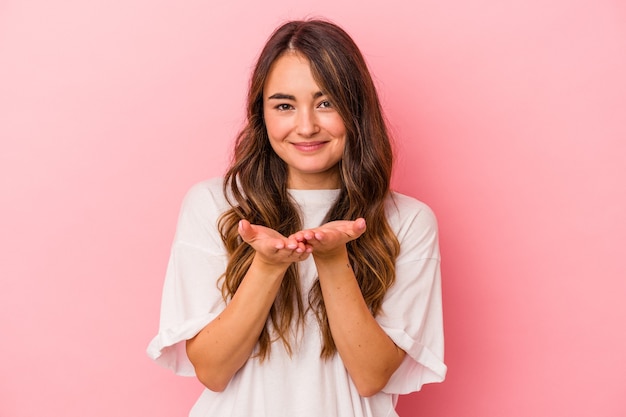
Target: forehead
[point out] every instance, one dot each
(291, 72)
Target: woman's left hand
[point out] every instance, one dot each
(356, 333)
(330, 239)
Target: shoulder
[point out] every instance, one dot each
(401, 208)
(414, 224)
(202, 206)
(207, 194)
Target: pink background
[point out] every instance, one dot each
(511, 123)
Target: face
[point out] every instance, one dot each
(304, 128)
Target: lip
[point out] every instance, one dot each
(309, 146)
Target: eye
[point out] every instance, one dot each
(283, 107)
(325, 104)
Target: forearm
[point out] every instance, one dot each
(222, 347)
(368, 354)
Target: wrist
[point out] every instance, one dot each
(333, 259)
(267, 267)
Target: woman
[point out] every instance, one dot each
(299, 284)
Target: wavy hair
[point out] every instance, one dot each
(256, 182)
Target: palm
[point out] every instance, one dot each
(332, 236)
(272, 246)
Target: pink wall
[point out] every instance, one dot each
(511, 121)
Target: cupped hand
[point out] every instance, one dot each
(331, 238)
(271, 246)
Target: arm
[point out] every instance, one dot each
(357, 335)
(223, 346)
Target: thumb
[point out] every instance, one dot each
(360, 226)
(245, 230)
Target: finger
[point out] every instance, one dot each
(297, 257)
(360, 226)
(305, 248)
(293, 243)
(245, 230)
(308, 248)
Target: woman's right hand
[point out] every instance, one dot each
(224, 345)
(271, 247)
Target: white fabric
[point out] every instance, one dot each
(302, 385)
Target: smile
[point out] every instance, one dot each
(309, 146)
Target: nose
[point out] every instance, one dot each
(307, 124)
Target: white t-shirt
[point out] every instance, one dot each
(303, 384)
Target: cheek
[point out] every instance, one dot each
(335, 126)
(276, 128)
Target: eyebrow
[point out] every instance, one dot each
(281, 96)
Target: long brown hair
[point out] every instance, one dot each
(256, 182)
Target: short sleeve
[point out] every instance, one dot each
(412, 309)
(191, 297)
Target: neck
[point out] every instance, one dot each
(313, 185)
(328, 180)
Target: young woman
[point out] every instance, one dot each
(299, 284)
